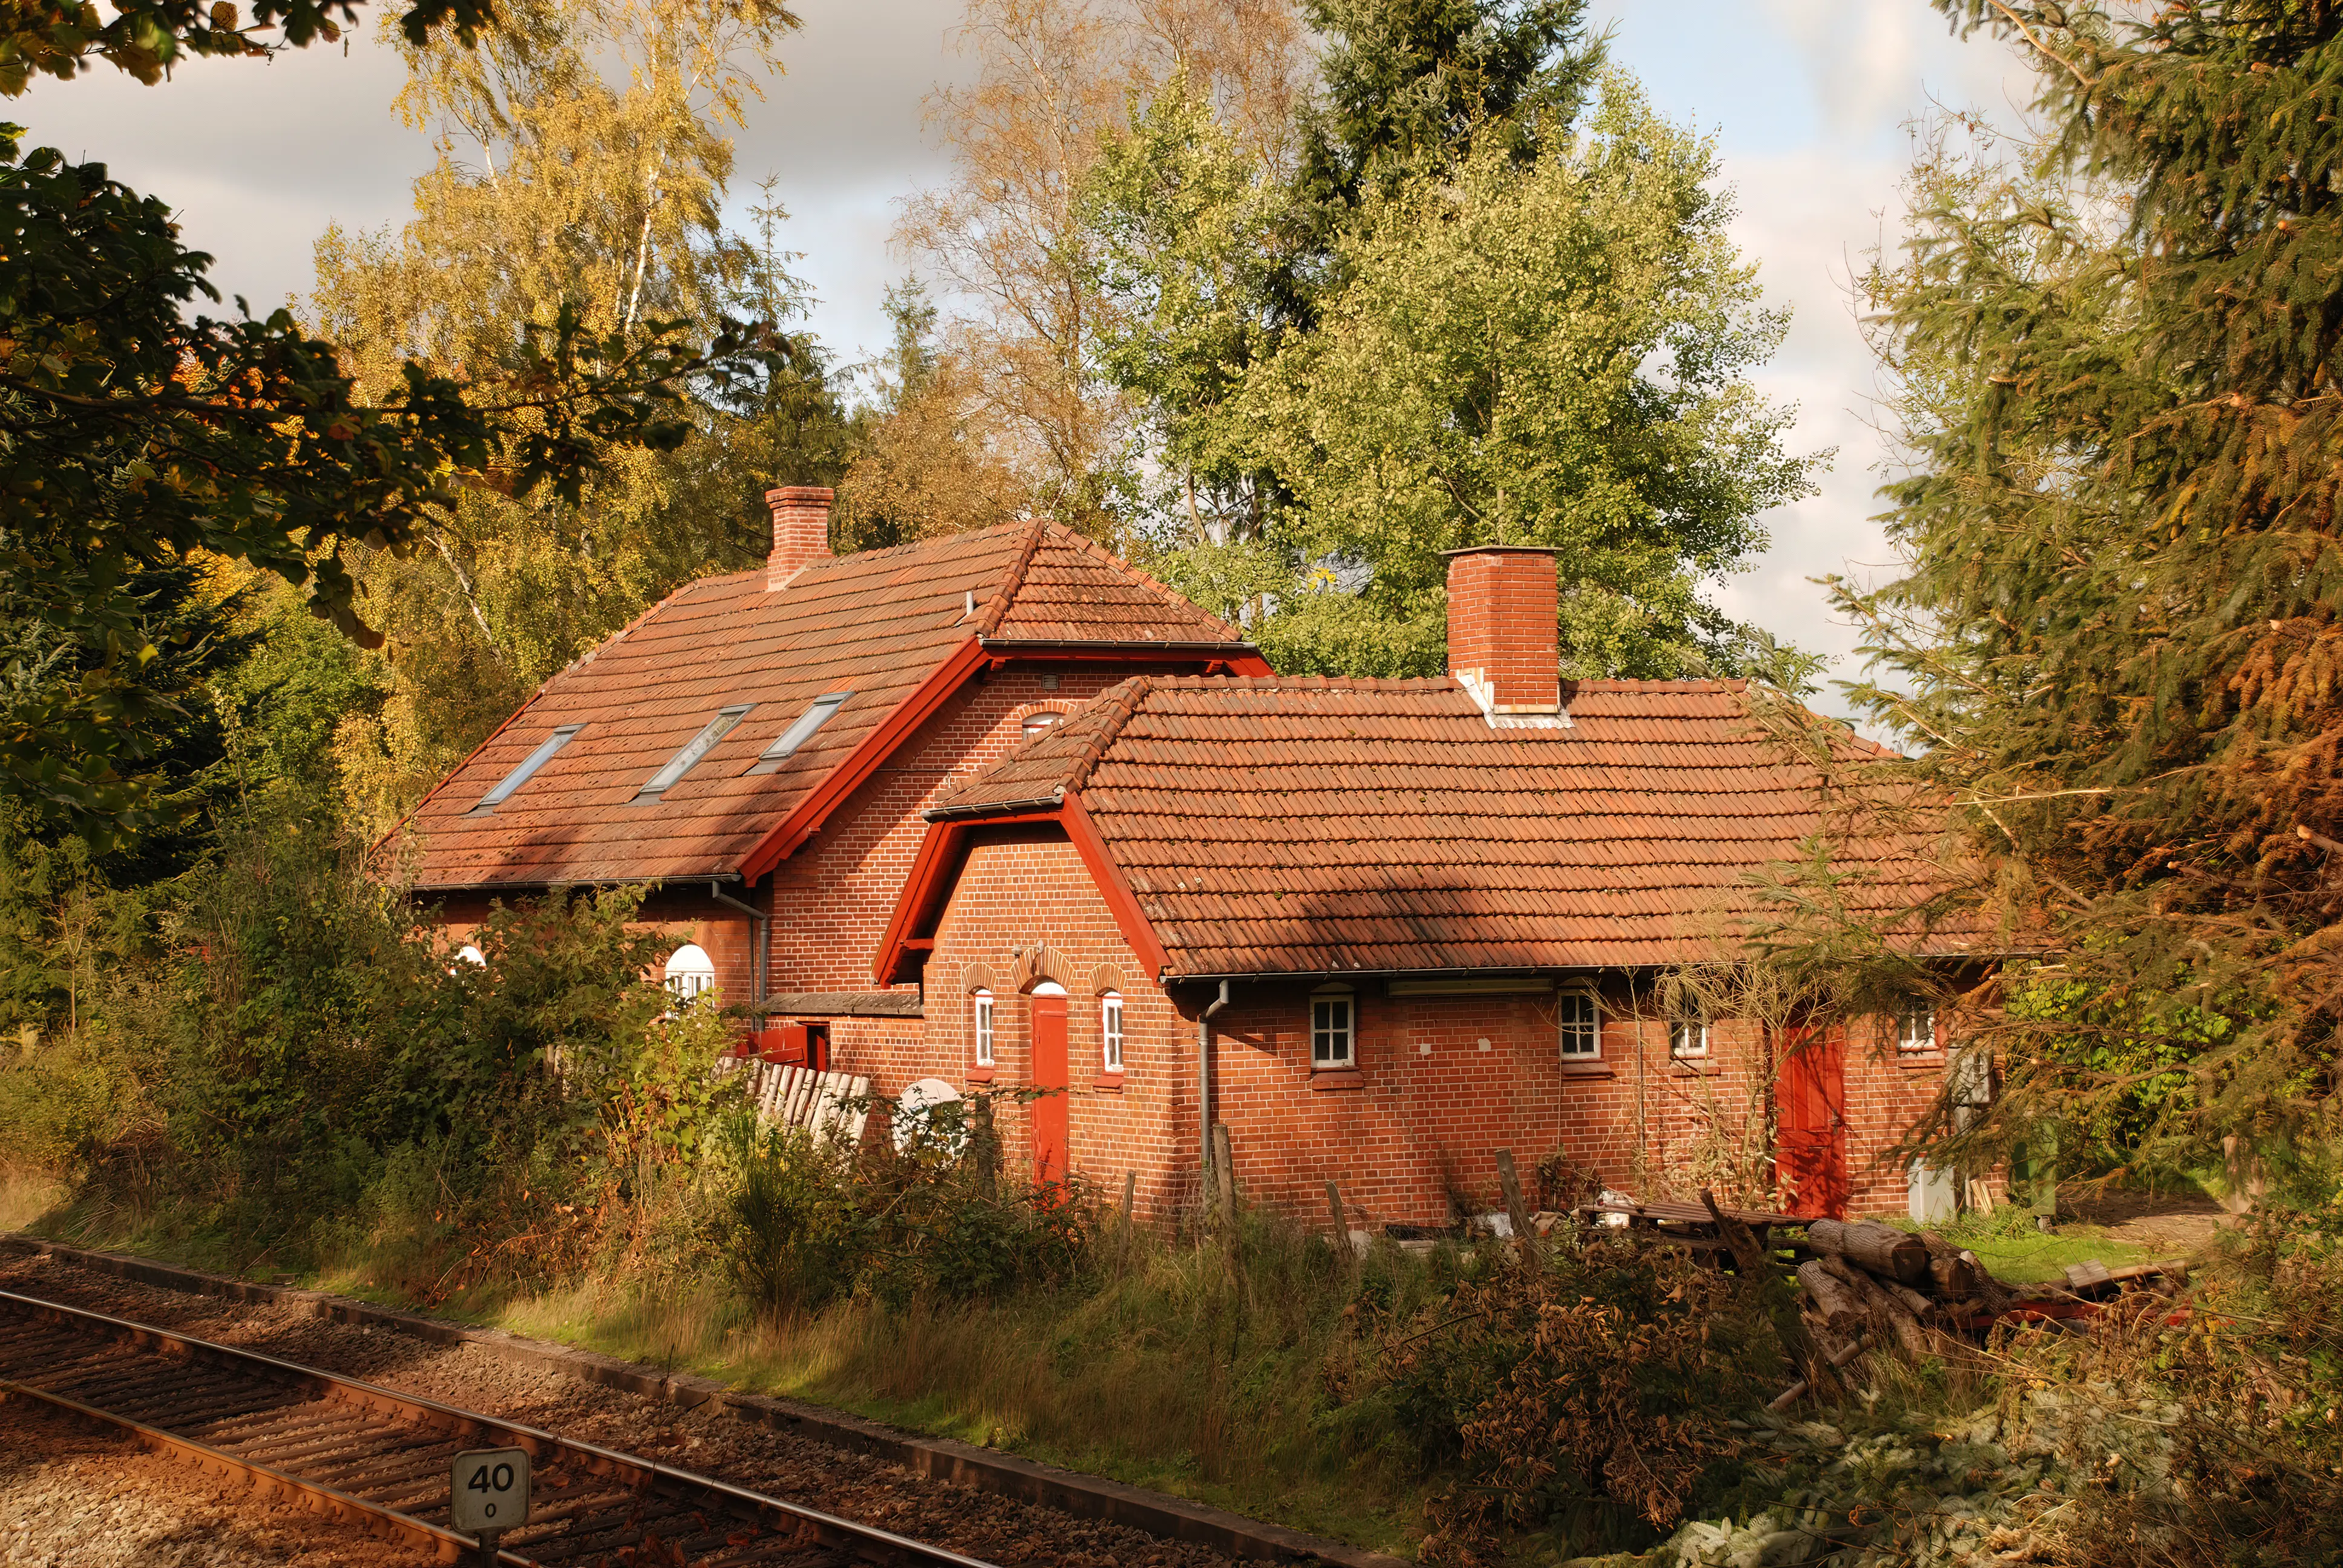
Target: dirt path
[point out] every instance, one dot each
(2171, 1225)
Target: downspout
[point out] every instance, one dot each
(1204, 1085)
(760, 957)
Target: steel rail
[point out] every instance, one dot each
(775, 1521)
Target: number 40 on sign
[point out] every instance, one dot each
(490, 1490)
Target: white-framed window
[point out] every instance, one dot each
(982, 1012)
(1110, 1032)
(690, 972)
(1330, 1030)
(1043, 719)
(1580, 1016)
(1688, 1036)
(1916, 1025)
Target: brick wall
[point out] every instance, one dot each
(1409, 1135)
(833, 897)
(1026, 911)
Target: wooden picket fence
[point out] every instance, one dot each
(830, 1106)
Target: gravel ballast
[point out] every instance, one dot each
(70, 1498)
(705, 1437)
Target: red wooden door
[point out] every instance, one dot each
(1810, 1126)
(1050, 1074)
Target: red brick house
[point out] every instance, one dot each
(1384, 929)
(998, 808)
(757, 748)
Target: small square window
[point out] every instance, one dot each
(984, 1029)
(1915, 1027)
(1329, 1032)
(1582, 1026)
(1688, 1038)
(1110, 1032)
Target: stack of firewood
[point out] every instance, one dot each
(1873, 1281)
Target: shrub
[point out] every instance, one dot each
(1592, 1388)
(810, 1222)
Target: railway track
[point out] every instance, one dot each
(379, 1459)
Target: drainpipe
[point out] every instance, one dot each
(1204, 1082)
(761, 953)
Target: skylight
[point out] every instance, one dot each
(528, 766)
(727, 719)
(799, 731)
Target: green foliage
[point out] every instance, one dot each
(134, 434)
(2116, 639)
(810, 1223)
(1587, 1392)
(1522, 323)
(1554, 355)
(1407, 87)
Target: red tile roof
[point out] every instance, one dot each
(886, 624)
(1313, 826)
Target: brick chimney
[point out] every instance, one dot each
(800, 531)
(1502, 644)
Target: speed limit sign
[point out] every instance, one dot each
(490, 1490)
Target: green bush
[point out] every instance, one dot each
(810, 1222)
(1592, 1388)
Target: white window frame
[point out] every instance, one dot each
(1688, 1037)
(980, 1020)
(1564, 1026)
(1110, 1032)
(1340, 1004)
(696, 980)
(1923, 1041)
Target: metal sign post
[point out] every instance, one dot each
(489, 1494)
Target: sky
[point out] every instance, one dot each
(1810, 101)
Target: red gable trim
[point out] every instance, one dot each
(861, 763)
(937, 869)
(1136, 928)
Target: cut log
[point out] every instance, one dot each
(1840, 1308)
(1882, 1249)
(1887, 1316)
(1992, 1292)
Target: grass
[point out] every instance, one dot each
(1164, 1377)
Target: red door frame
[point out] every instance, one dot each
(1048, 1036)
(1810, 1118)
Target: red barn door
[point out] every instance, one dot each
(1810, 1127)
(1050, 1074)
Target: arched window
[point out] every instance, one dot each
(982, 1012)
(1110, 1032)
(1036, 722)
(690, 972)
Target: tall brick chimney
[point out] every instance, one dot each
(800, 531)
(1502, 644)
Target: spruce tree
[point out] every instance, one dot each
(2120, 639)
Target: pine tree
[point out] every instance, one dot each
(2120, 639)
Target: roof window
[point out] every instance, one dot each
(727, 719)
(799, 731)
(528, 766)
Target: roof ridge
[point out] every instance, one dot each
(1012, 579)
(1150, 580)
(1123, 700)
